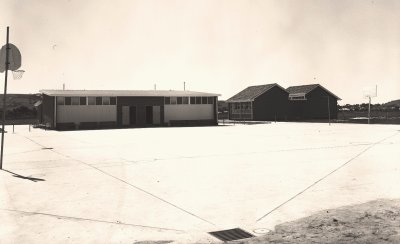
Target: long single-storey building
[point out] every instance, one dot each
(84, 109)
(308, 102)
(263, 102)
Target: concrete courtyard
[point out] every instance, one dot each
(128, 185)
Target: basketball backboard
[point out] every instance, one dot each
(370, 91)
(14, 58)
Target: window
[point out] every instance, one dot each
(91, 101)
(75, 100)
(185, 100)
(173, 100)
(60, 100)
(106, 100)
(67, 100)
(210, 100)
(192, 100)
(179, 100)
(204, 100)
(113, 101)
(82, 100)
(198, 100)
(167, 100)
(99, 100)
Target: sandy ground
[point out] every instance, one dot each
(372, 222)
(178, 184)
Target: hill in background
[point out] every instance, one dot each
(392, 103)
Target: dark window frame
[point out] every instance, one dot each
(81, 99)
(99, 100)
(198, 100)
(68, 101)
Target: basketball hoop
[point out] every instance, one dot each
(17, 74)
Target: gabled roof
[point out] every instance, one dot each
(252, 92)
(127, 93)
(305, 89)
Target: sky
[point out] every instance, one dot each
(219, 46)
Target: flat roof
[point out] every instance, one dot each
(128, 93)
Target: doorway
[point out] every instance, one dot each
(149, 115)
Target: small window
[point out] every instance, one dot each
(185, 100)
(106, 100)
(204, 100)
(179, 100)
(210, 100)
(192, 100)
(198, 100)
(167, 100)
(67, 100)
(99, 100)
(113, 101)
(75, 100)
(82, 100)
(60, 100)
(91, 101)
(173, 100)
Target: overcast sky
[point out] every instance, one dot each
(215, 46)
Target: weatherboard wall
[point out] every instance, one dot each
(86, 113)
(315, 106)
(189, 112)
(272, 105)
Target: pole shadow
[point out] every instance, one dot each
(24, 177)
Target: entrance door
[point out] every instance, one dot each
(156, 115)
(149, 115)
(125, 115)
(132, 115)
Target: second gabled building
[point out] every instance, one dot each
(259, 103)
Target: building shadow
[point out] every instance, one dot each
(24, 177)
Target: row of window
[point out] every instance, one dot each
(113, 100)
(189, 100)
(243, 105)
(86, 100)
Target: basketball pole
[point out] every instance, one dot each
(4, 100)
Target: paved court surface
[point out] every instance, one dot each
(130, 185)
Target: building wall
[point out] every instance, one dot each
(189, 112)
(86, 113)
(271, 105)
(47, 111)
(140, 103)
(315, 107)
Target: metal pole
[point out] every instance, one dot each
(4, 101)
(369, 108)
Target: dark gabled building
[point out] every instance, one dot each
(263, 102)
(309, 102)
